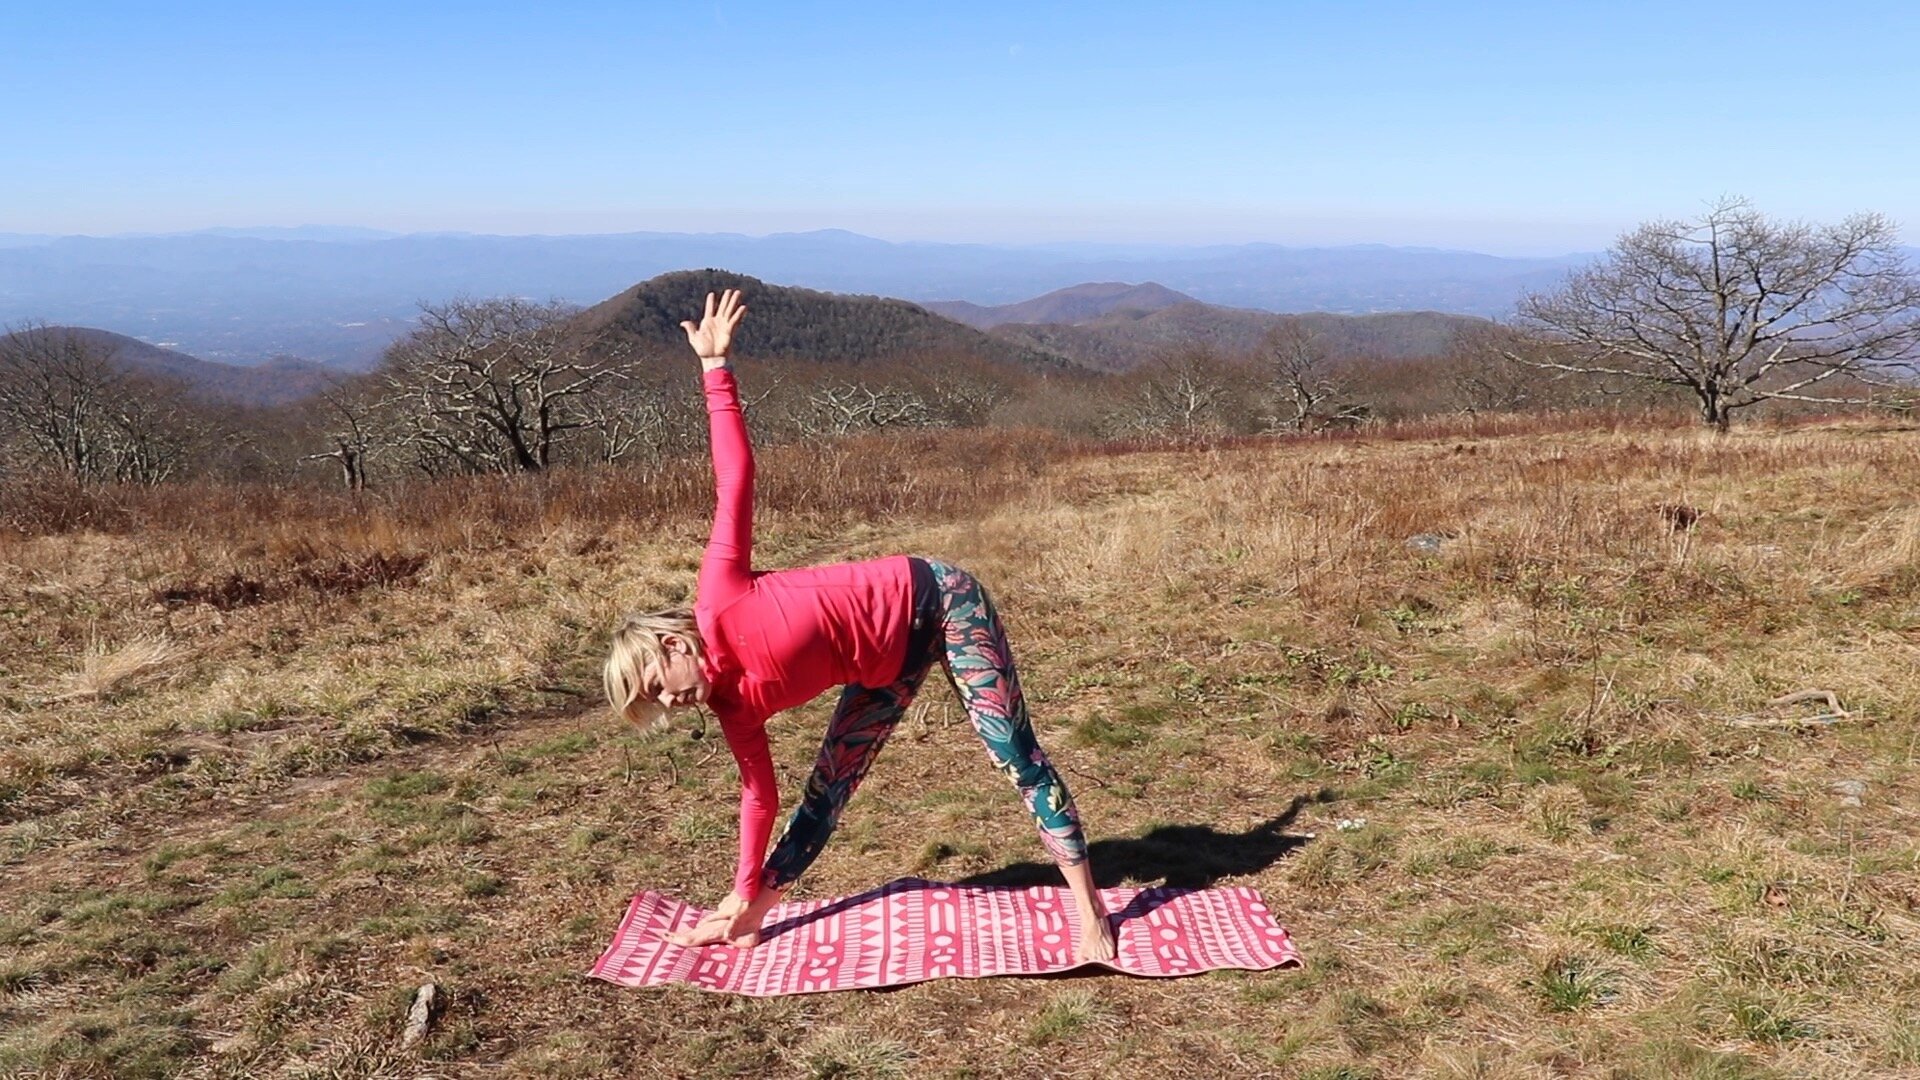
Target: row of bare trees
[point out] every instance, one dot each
(506, 385)
(65, 403)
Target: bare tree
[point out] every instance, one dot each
(1737, 309)
(645, 417)
(55, 390)
(152, 433)
(841, 407)
(957, 397)
(355, 430)
(491, 385)
(1303, 382)
(1480, 377)
(74, 406)
(1188, 392)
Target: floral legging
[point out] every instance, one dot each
(979, 663)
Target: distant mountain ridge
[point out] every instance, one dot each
(239, 298)
(1074, 304)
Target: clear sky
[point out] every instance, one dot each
(1509, 127)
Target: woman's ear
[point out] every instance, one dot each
(674, 643)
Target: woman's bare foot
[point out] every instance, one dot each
(1097, 944)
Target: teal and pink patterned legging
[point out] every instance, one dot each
(980, 665)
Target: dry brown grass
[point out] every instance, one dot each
(1559, 857)
(105, 669)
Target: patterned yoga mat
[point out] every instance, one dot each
(910, 930)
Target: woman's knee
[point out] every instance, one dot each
(955, 580)
(1027, 769)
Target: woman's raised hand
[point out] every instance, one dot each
(713, 337)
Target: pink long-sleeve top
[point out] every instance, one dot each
(776, 639)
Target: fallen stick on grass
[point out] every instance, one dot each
(1834, 715)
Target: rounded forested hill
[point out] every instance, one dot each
(790, 323)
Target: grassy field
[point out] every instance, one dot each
(1485, 715)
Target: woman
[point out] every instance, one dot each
(757, 642)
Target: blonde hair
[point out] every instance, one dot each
(636, 642)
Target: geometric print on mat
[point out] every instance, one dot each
(911, 930)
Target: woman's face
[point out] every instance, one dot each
(676, 680)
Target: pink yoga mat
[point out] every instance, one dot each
(910, 930)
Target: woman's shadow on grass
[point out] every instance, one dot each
(1178, 856)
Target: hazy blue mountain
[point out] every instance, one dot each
(1074, 304)
(239, 296)
(324, 233)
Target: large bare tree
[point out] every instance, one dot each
(1303, 382)
(491, 385)
(1189, 392)
(1738, 309)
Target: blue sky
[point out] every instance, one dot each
(1504, 127)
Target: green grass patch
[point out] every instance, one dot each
(406, 786)
(481, 884)
(1634, 941)
(700, 827)
(1475, 930)
(843, 1054)
(938, 853)
(1100, 731)
(569, 745)
(1569, 984)
(1068, 1012)
(1764, 1021)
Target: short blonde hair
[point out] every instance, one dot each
(636, 642)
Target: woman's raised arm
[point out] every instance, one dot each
(727, 568)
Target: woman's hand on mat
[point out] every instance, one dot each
(712, 339)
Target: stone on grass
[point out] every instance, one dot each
(427, 1002)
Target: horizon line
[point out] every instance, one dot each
(370, 234)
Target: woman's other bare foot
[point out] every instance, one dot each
(1096, 944)
(737, 923)
(713, 931)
